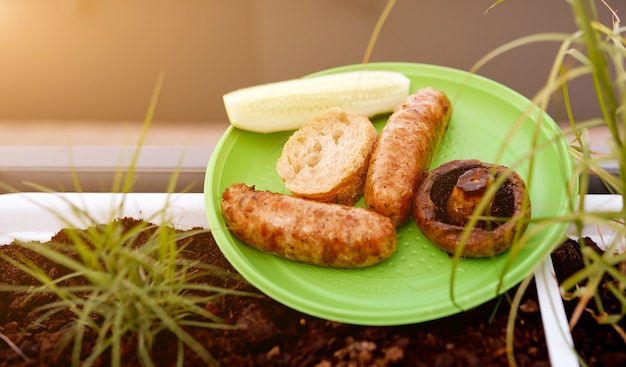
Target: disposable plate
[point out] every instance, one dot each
(491, 123)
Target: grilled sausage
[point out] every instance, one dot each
(332, 235)
(403, 152)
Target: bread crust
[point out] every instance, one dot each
(327, 159)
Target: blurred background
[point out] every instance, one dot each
(99, 59)
(81, 72)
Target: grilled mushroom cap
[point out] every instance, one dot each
(450, 194)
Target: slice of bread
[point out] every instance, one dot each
(327, 158)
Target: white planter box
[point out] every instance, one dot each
(30, 216)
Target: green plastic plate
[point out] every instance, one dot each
(414, 284)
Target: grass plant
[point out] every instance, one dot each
(122, 290)
(598, 51)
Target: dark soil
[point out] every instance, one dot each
(271, 334)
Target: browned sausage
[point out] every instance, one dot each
(332, 235)
(403, 152)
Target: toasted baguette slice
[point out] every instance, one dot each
(327, 158)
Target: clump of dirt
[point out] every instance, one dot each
(271, 334)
